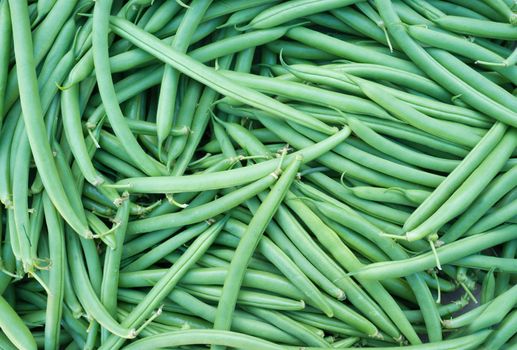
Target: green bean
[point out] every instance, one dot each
(166, 247)
(207, 76)
(347, 259)
(348, 51)
(403, 132)
(168, 87)
(499, 308)
(418, 55)
(472, 341)
(74, 134)
(185, 116)
(55, 299)
(408, 14)
(248, 244)
(444, 310)
(469, 189)
(295, 50)
(497, 217)
(361, 23)
(463, 47)
(326, 323)
(331, 160)
(228, 178)
(137, 57)
(394, 251)
(246, 139)
(21, 204)
(487, 262)
(285, 265)
(474, 79)
(448, 130)
(203, 212)
(373, 71)
(299, 91)
(14, 328)
(488, 287)
(6, 38)
(279, 238)
(291, 326)
(372, 208)
(7, 135)
(164, 286)
(262, 134)
(456, 177)
(456, 10)
(245, 15)
(33, 117)
(257, 263)
(448, 253)
(122, 168)
(503, 332)
(336, 75)
(204, 337)
(144, 242)
(112, 262)
(247, 297)
(476, 27)
(398, 151)
(43, 38)
(291, 10)
(107, 91)
(217, 10)
(222, 140)
(391, 195)
(330, 21)
(200, 120)
(503, 279)
(85, 290)
(399, 171)
(162, 15)
(6, 343)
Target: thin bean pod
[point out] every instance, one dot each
(448, 253)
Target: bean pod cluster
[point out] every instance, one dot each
(258, 174)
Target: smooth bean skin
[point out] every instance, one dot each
(469, 189)
(503, 332)
(456, 177)
(208, 76)
(464, 48)
(165, 285)
(227, 178)
(190, 337)
(169, 84)
(56, 274)
(450, 131)
(5, 38)
(248, 244)
(448, 253)
(14, 328)
(299, 91)
(294, 9)
(499, 308)
(432, 68)
(204, 212)
(476, 27)
(107, 91)
(33, 116)
(488, 262)
(355, 53)
(487, 199)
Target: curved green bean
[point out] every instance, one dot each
(448, 253)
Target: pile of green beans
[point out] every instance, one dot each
(258, 174)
